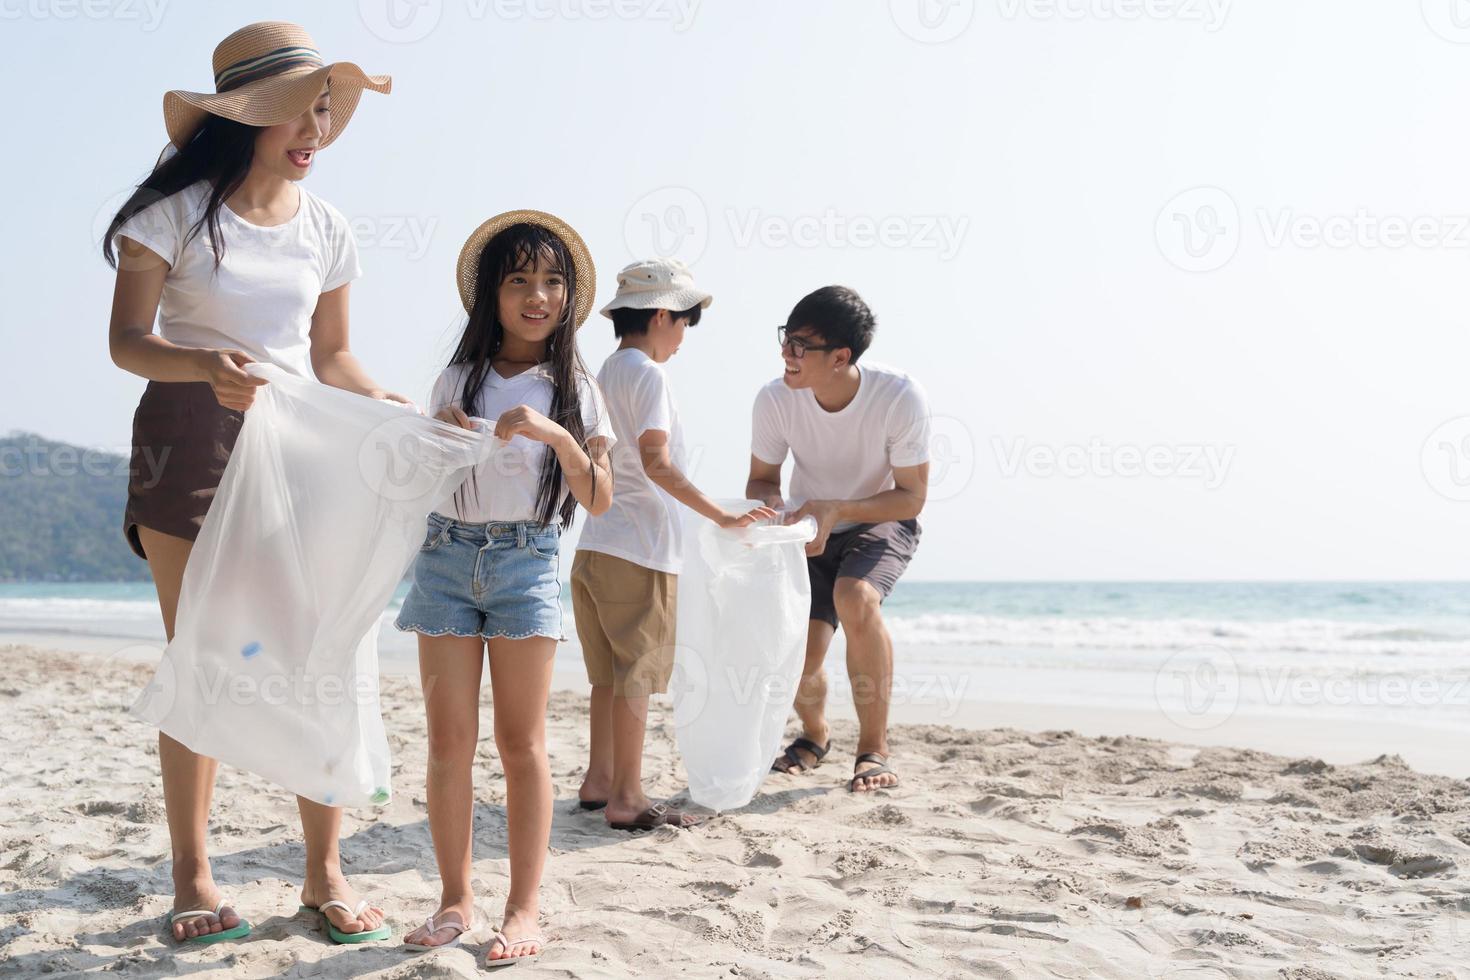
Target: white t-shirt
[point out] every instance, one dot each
(265, 291)
(848, 454)
(504, 486)
(643, 525)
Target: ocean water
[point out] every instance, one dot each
(1382, 651)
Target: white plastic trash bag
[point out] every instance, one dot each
(744, 602)
(274, 662)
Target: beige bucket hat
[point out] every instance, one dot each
(266, 74)
(469, 257)
(657, 284)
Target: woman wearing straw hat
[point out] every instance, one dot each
(239, 264)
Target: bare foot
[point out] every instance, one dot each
(200, 893)
(517, 936)
(331, 886)
(451, 910)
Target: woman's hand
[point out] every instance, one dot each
(223, 369)
(523, 420)
(397, 399)
(730, 519)
(453, 415)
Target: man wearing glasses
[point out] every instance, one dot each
(860, 439)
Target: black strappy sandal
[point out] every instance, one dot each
(793, 761)
(882, 768)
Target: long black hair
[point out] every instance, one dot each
(220, 152)
(521, 247)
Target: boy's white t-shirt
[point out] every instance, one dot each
(643, 525)
(504, 486)
(262, 297)
(848, 454)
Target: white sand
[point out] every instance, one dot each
(1005, 853)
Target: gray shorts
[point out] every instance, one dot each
(875, 553)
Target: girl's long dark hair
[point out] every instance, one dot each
(521, 247)
(219, 152)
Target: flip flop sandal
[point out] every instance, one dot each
(794, 761)
(349, 938)
(433, 926)
(591, 804)
(510, 944)
(224, 935)
(882, 768)
(659, 815)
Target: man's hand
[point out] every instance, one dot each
(826, 514)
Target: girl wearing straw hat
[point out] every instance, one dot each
(238, 263)
(486, 580)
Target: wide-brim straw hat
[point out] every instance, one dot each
(266, 74)
(585, 272)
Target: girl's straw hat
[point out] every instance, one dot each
(469, 257)
(266, 74)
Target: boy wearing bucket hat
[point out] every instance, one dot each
(625, 575)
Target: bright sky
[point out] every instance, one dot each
(1183, 278)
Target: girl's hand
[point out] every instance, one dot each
(523, 420)
(453, 415)
(223, 370)
(730, 519)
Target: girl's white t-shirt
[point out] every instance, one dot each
(504, 486)
(262, 297)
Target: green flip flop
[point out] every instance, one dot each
(349, 938)
(224, 935)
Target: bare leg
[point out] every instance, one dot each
(450, 668)
(869, 668)
(626, 800)
(597, 783)
(811, 693)
(188, 778)
(322, 827)
(520, 678)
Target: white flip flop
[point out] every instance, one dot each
(459, 930)
(509, 943)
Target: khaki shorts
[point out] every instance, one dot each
(625, 623)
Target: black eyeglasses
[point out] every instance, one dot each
(798, 346)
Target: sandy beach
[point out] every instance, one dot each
(1006, 853)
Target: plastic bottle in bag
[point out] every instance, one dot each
(744, 602)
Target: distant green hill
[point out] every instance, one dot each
(61, 510)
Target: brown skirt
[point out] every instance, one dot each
(182, 438)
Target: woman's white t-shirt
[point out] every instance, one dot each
(262, 297)
(643, 525)
(504, 486)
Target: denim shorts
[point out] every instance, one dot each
(489, 580)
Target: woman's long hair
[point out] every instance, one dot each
(520, 248)
(219, 152)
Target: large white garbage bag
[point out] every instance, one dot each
(274, 662)
(744, 601)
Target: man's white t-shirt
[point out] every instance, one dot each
(848, 454)
(262, 297)
(504, 486)
(643, 525)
